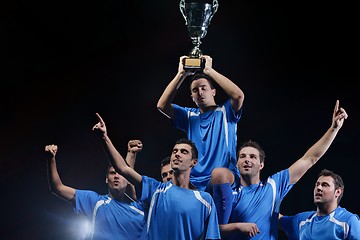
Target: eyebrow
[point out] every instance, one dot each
(202, 85)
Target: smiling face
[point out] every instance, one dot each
(181, 158)
(249, 164)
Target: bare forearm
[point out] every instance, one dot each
(118, 162)
(164, 103)
(230, 88)
(55, 184)
(130, 159)
(114, 157)
(226, 229)
(298, 169)
(249, 229)
(53, 176)
(312, 155)
(171, 88)
(321, 146)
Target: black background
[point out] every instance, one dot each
(66, 60)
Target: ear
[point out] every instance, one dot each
(338, 192)
(194, 162)
(106, 180)
(214, 92)
(262, 165)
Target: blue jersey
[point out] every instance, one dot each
(340, 224)
(111, 219)
(215, 136)
(260, 204)
(177, 213)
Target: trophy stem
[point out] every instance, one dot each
(195, 52)
(196, 41)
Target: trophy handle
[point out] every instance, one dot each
(182, 9)
(214, 7)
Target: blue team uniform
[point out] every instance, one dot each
(110, 218)
(340, 224)
(260, 204)
(214, 134)
(177, 213)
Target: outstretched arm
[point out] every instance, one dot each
(164, 103)
(55, 183)
(231, 89)
(314, 153)
(114, 157)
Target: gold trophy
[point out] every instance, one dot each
(197, 19)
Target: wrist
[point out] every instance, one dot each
(105, 136)
(180, 74)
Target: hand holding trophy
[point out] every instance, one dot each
(197, 19)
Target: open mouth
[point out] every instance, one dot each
(176, 161)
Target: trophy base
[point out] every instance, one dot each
(193, 63)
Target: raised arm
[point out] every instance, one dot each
(164, 103)
(134, 146)
(314, 153)
(55, 183)
(231, 89)
(114, 157)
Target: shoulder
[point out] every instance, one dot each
(138, 205)
(298, 218)
(149, 180)
(305, 215)
(345, 214)
(90, 193)
(90, 196)
(185, 110)
(204, 195)
(280, 176)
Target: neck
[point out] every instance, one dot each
(120, 196)
(248, 180)
(183, 181)
(207, 108)
(325, 208)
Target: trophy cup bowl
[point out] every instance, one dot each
(197, 19)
